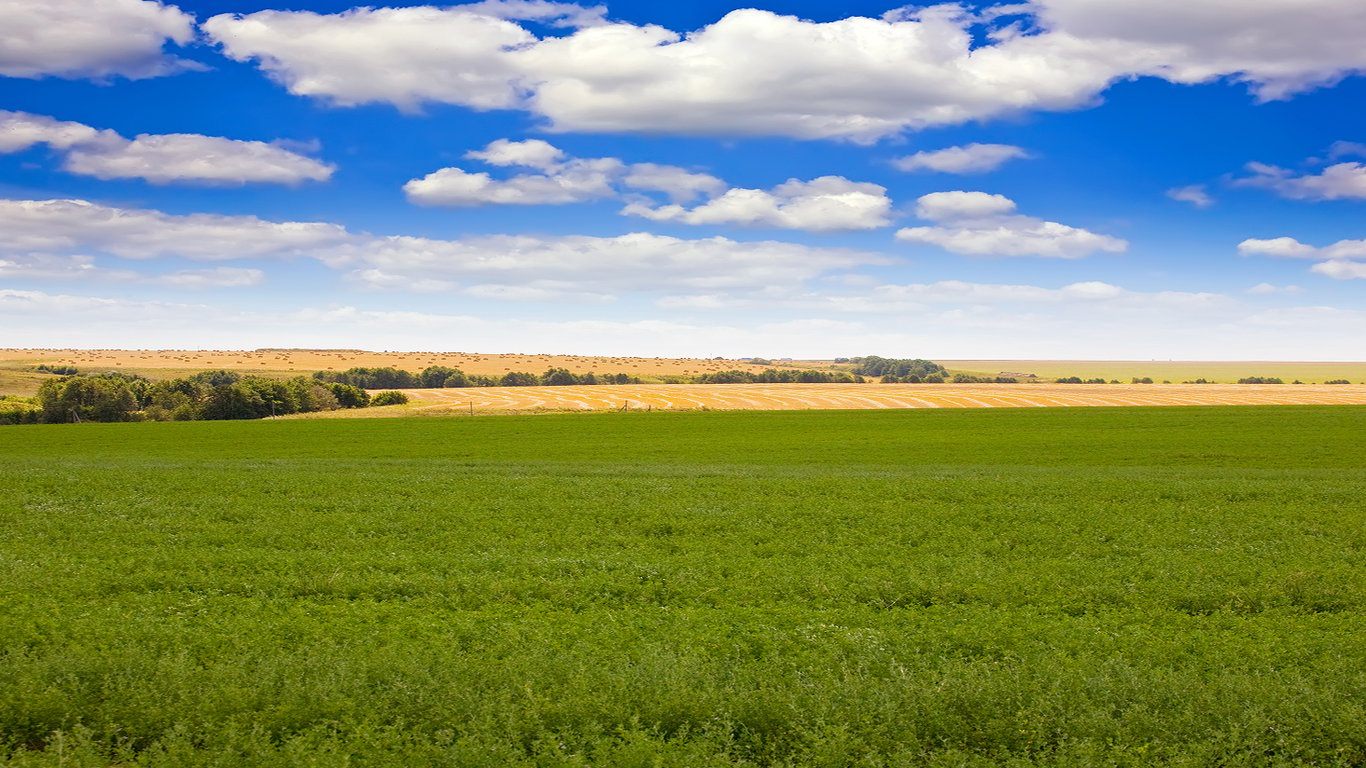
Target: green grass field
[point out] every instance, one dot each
(1182, 586)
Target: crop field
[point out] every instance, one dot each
(776, 397)
(172, 363)
(934, 587)
(1225, 372)
(17, 378)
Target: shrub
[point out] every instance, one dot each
(388, 397)
(1260, 380)
(1338, 381)
(60, 370)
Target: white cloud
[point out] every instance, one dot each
(45, 267)
(979, 224)
(1194, 194)
(404, 56)
(1277, 247)
(972, 158)
(555, 14)
(1340, 269)
(91, 38)
(574, 181)
(1346, 149)
(1337, 182)
(822, 204)
(20, 130)
(1278, 47)
(757, 72)
(1267, 289)
(160, 159)
(39, 266)
(679, 184)
(532, 153)
(592, 265)
(218, 277)
(942, 206)
(1343, 260)
(571, 265)
(64, 226)
(180, 157)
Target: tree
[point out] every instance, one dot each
(558, 377)
(89, 398)
(518, 379)
(436, 376)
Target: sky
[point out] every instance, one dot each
(1057, 179)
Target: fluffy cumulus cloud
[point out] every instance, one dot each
(1278, 47)
(91, 38)
(972, 158)
(1194, 194)
(1340, 181)
(58, 235)
(404, 56)
(981, 224)
(1343, 260)
(556, 179)
(552, 177)
(757, 72)
(823, 204)
(160, 159)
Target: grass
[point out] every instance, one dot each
(1180, 586)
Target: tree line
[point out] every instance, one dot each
(440, 376)
(210, 395)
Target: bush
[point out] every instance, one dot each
(1338, 381)
(1260, 380)
(1144, 380)
(60, 370)
(388, 397)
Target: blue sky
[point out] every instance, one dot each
(1068, 179)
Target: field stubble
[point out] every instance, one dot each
(781, 397)
(1180, 586)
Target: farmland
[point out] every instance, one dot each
(1123, 586)
(776, 397)
(18, 378)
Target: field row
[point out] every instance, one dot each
(783, 397)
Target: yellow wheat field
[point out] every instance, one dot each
(773, 397)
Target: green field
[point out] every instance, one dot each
(1182, 586)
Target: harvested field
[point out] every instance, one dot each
(307, 360)
(783, 397)
(1225, 371)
